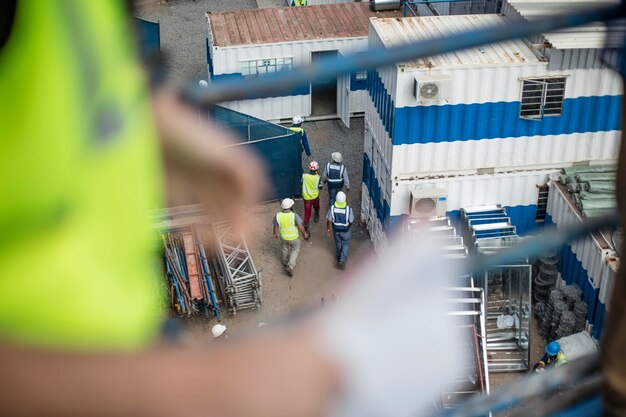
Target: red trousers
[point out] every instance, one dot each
(307, 208)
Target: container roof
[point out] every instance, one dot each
(593, 36)
(394, 32)
(288, 24)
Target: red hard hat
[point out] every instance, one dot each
(314, 166)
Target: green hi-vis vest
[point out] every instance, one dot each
(80, 173)
(561, 359)
(310, 186)
(287, 226)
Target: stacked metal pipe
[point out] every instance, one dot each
(238, 278)
(189, 281)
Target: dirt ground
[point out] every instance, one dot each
(316, 272)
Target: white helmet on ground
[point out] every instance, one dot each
(218, 330)
(287, 203)
(297, 120)
(337, 157)
(341, 197)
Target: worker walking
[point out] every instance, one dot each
(341, 217)
(554, 356)
(311, 185)
(336, 177)
(287, 226)
(296, 126)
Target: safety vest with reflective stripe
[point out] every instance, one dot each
(310, 186)
(298, 2)
(287, 226)
(335, 175)
(340, 218)
(561, 359)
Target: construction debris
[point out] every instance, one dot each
(189, 281)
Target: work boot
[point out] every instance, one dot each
(316, 217)
(289, 271)
(342, 265)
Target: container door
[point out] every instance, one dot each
(343, 99)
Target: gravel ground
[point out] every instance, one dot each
(183, 32)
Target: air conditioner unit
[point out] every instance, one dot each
(432, 89)
(426, 204)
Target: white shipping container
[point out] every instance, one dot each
(516, 191)
(250, 42)
(474, 126)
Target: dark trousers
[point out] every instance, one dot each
(342, 245)
(332, 194)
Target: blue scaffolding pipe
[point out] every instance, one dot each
(325, 70)
(172, 278)
(207, 277)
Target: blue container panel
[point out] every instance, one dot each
(463, 122)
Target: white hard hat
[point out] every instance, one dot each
(337, 157)
(203, 83)
(287, 203)
(218, 330)
(297, 120)
(341, 197)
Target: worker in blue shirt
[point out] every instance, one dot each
(297, 127)
(554, 356)
(340, 217)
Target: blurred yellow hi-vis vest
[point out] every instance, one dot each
(80, 173)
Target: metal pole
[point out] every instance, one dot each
(614, 342)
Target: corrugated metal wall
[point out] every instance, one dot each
(517, 191)
(225, 62)
(479, 127)
(583, 262)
